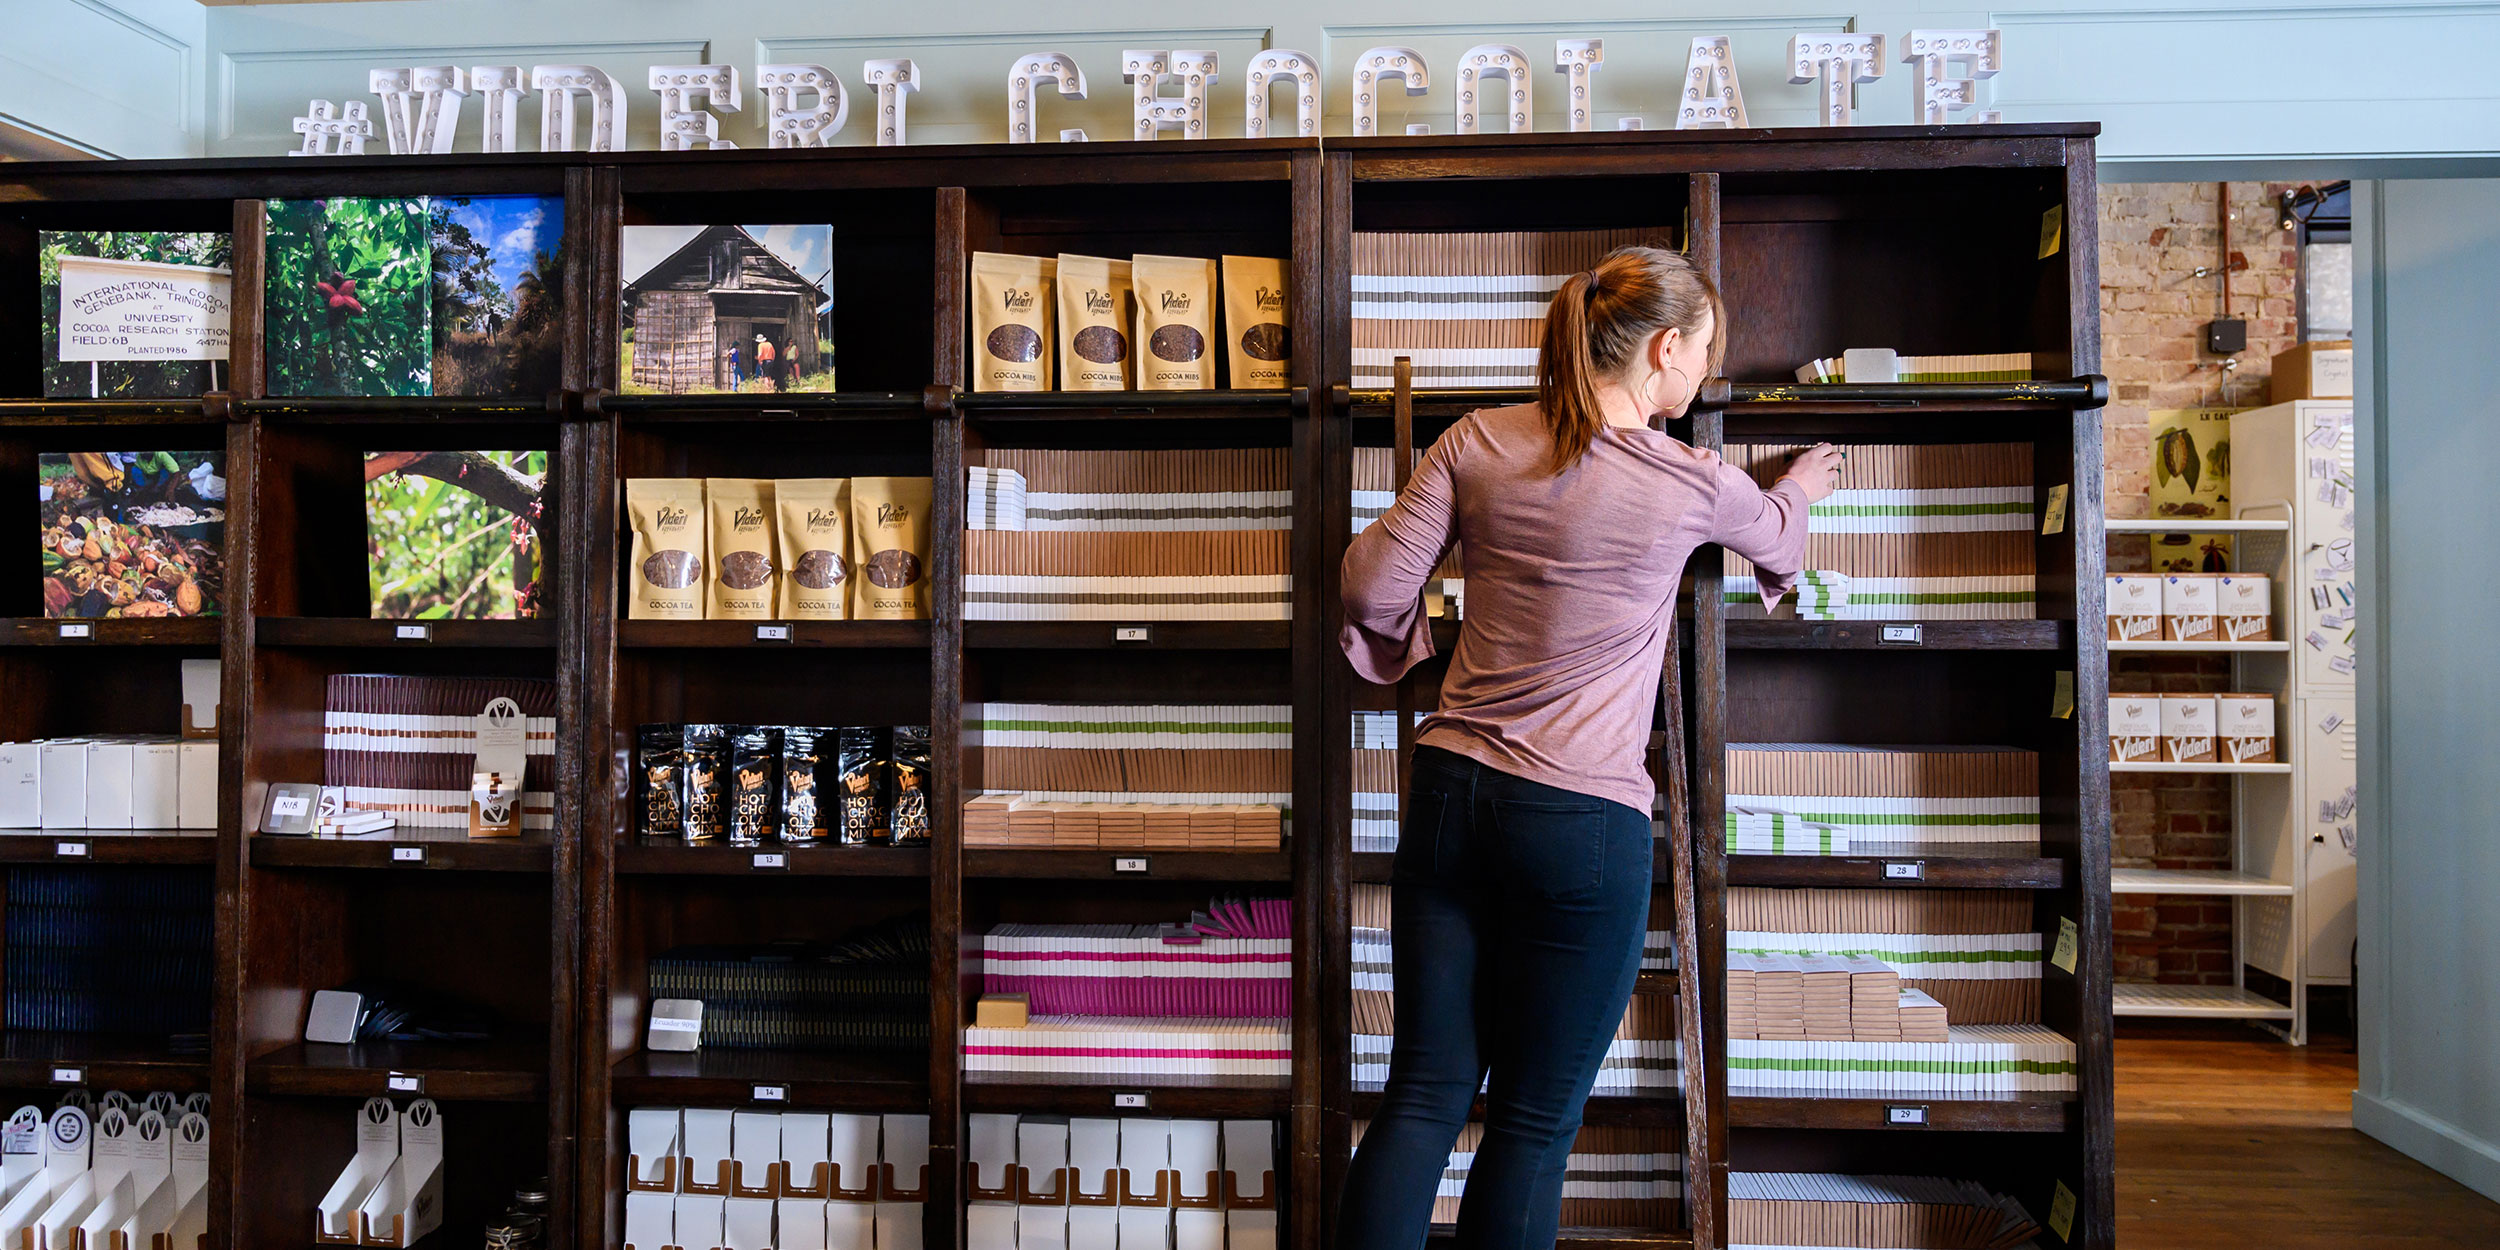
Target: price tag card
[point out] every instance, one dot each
(2069, 940)
(2062, 699)
(2053, 519)
(2062, 1213)
(290, 805)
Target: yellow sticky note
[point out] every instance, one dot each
(2052, 230)
(2062, 1213)
(2054, 519)
(2068, 939)
(2062, 701)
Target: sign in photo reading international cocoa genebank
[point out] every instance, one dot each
(143, 310)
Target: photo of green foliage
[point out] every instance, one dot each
(455, 535)
(349, 298)
(123, 379)
(498, 294)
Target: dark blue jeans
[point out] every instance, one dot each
(1519, 916)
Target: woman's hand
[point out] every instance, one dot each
(1817, 469)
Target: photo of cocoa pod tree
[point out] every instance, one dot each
(349, 297)
(455, 535)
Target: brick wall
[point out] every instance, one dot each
(2153, 313)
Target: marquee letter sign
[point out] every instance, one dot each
(1839, 61)
(1270, 68)
(499, 89)
(1186, 112)
(1404, 64)
(789, 124)
(560, 88)
(1712, 100)
(421, 106)
(1932, 52)
(894, 78)
(1576, 60)
(685, 125)
(1494, 60)
(326, 133)
(1023, 81)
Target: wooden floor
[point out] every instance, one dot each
(2227, 1137)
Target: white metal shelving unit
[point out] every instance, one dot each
(2290, 883)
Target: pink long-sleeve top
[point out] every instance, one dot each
(1571, 584)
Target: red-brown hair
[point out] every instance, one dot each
(1600, 320)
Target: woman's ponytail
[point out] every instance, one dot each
(1566, 377)
(1600, 320)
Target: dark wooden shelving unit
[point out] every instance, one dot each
(555, 933)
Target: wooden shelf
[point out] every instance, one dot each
(1590, 1238)
(1970, 865)
(163, 631)
(33, 1060)
(1122, 405)
(406, 850)
(1100, 865)
(108, 846)
(1038, 1093)
(2051, 1112)
(489, 1071)
(349, 631)
(133, 413)
(743, 635)
(786, 406)
(672, 857)
(1102, 635)
(1769, 635)
(843, 1081)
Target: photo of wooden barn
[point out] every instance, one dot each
(694, 317)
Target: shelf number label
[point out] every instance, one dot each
(1131, 863)
(1905, 635)
(414, 633)
(771, 1093)
(408, 855)
(76, 630)
(1905, 870)
(1912, 1117)
(69, 1076)
(405, 1083)
(772, 633)
(69, 850)
(1128, 1100)
(765, 860)
(1133, 633)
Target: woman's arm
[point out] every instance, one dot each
(1767, 527)
(1386, 632)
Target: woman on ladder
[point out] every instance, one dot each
(1522, 879)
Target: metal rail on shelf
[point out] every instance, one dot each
(2088, 391)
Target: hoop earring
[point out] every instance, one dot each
(1689, 388)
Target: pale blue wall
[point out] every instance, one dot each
(111, 77)
(2426, 261)
(2297, 79)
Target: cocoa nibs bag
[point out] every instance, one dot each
(667, 574)
(1094, 320)
(741, 548)
(890, 548)
(1011, 311)
(1258, 323)
(815, 536)
(1175, 322)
